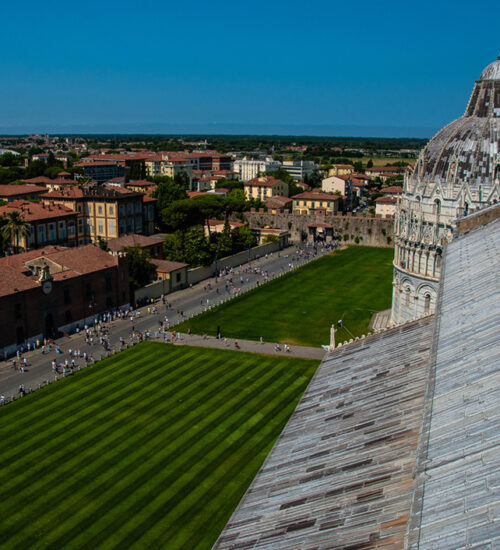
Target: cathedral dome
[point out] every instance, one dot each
(467, 149)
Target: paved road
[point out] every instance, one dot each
(190, 301)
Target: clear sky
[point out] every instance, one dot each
(351, 68)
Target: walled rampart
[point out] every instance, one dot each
(368, 231)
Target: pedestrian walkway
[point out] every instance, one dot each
(251, 346)
(181, 305)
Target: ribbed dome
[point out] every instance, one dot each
(468, 149)
(492, 71)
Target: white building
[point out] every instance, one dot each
(250, 169)
(298, 169)
(456, 173)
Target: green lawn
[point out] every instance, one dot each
(152, 448)
(299, 308)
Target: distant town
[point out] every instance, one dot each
(138, 209)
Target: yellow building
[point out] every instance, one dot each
(385, 206)
(316, 202)
(103, 212)
(48, 224)
(161, 165)
(265, 187)
(341, 170)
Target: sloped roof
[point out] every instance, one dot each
(32, 211)
(115, 245)
(72, 261)
(460, 463)
(340, 475)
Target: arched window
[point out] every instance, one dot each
(407, 297)
(437, 207)
(466, 209)
(427, 304)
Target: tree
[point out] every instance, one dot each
(102, 244)
(167, 192)
(140, 271)
(242, 238)
(235, 201)
(16, 228)
(4, 243)
(190, 246)
(224, 245)
(210, 207)
(9, 159)
(270, 239)
(369, 164)
(358, 166)
(197, 247)
(52, 171)
(182, 214)
(229, 184)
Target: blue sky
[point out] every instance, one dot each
(363, 68)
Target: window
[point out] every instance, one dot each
(121, 210)
(71, 228)
(99, 209)
(130, 208)
(427, 304)
(52, 231)
(178, 277)
(407, 297)
(62, 230)
(138, 207)
(437, 207)
(111, 210)
(100, 227)
(41, 233)
(111, 228)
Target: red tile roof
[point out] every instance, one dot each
(32, 211)
(393, 189)
(263, 181)
(14, 190)
(72, 262)
(115, 245)
(317, 195)
(386, 200)
(165, 266)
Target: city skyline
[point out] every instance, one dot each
(271, 69)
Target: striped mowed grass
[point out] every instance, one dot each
(151, 448)
(300, 307)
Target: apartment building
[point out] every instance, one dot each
(104, 212)
(265, 187)
(316, 202)
(48, 224)
(250, 169)
(299, 169)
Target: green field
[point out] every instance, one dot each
(149, 449)
(299, 307)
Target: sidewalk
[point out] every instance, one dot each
(251, 346)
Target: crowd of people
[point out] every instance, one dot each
(97, 332)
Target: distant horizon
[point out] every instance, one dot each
(226, 129)
(319, 69)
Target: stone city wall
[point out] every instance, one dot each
(368, 231)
